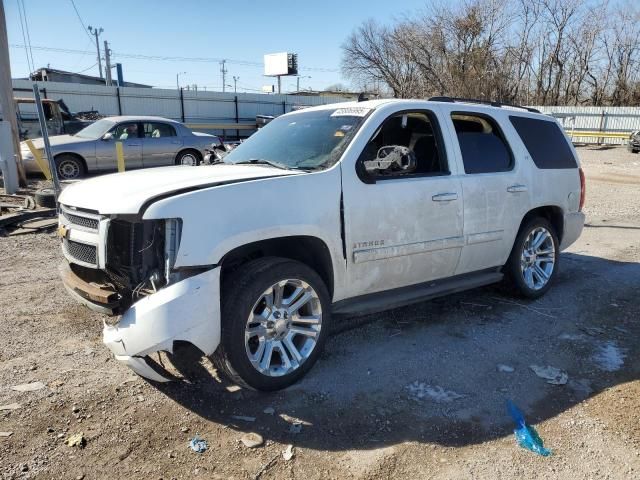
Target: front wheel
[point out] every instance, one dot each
(275, 319)
(69, 167)
(533, 262)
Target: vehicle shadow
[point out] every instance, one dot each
(441, 371)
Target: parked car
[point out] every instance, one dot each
(146, 142)
(340, 209)
(634, 142)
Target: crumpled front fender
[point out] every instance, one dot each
(188, 310)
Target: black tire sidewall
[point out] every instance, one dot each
(187, 152)
(255, 278)
(514, 271)
(61, 158)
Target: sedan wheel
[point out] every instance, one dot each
(69, 168)
(188, 158)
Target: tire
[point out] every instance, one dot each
(244, 293)
(69, 167)
(188, 157)
(45, 197)
(521, 273)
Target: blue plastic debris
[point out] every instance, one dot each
(526, 435)
(198, 445)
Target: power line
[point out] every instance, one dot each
(84, 28)
(179, 59)
(88, 68)
(24, 38)
(26, 24)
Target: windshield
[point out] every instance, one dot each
(96, 130)
(310, 140)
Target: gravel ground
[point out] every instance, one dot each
(417, 392)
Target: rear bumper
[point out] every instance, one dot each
(188, 310)
(573, 225)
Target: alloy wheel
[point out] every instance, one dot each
(538, 258)
(283, 327)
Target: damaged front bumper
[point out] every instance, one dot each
(188, 310)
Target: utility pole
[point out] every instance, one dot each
(10, 160)
(178, 79)
(107, 64)
(235, 82)
(223, 70)
(96, 33)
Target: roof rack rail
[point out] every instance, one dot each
(482, 102)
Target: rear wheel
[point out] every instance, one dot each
(276, 316)
(188, 157)
(533, 262)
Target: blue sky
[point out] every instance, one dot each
(235, 30)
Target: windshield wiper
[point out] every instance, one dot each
(261, 161)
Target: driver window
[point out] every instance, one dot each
(405, 144)
(125, 131)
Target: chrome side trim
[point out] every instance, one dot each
(381, 253)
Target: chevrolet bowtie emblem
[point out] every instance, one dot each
(62, 231)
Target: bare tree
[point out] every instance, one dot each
(530, 51)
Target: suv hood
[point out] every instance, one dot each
(127, 192)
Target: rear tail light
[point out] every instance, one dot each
(583, 189)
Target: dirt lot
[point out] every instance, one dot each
(415, 393)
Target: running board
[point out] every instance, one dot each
(399, 297)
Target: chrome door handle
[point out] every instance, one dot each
(177, 142)
(444, 197)
(517, 188)
(132, 145)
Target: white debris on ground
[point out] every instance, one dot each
(505, 368)
(419, 391)
(552, 375)
(28, 387)
(609, 357)
(288, 453)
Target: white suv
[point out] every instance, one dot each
(338, 209)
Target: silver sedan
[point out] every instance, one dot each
(146, 142)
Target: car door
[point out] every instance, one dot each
(494, 186)
(403, 225)
(160, 144)
(127, 134)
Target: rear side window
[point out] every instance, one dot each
(545, 142)
(482, 144)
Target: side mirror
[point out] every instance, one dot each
(392, 157)
(107, 136)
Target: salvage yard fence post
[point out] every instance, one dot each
(120, 156)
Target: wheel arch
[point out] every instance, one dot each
(312, 251)
(553, 213)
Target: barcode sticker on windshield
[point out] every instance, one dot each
(351, 112)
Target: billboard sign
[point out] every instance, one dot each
(277, 64)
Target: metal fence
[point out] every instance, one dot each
(207, 111)
(610, 125)
(201, 110)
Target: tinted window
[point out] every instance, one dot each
(482, 144)
(545, 142)
(413, 137)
